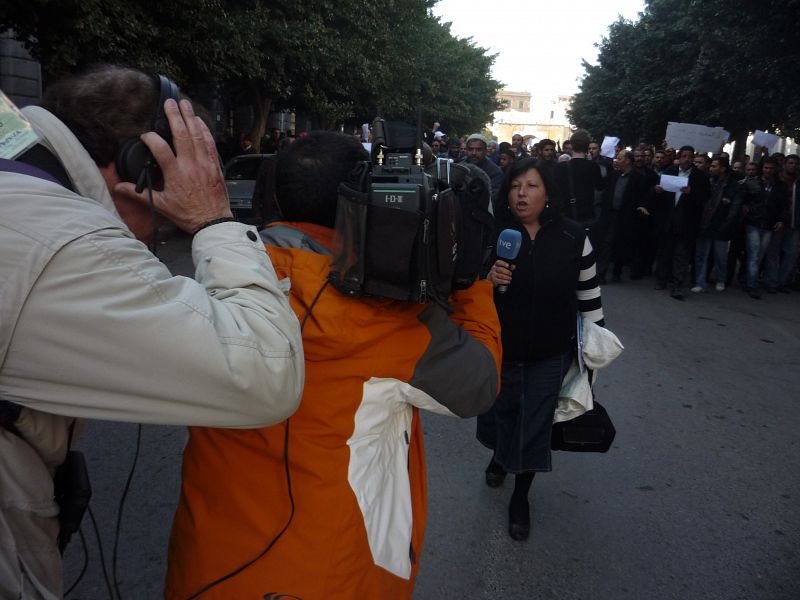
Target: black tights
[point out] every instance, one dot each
(519, 499)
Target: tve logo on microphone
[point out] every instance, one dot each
(508, 244)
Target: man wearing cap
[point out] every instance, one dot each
(476, 154)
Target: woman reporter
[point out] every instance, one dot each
(551, 280)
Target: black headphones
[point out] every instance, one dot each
(133, 159)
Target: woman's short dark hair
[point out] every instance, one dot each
(104, 106)
(308, 174)
(503, 213)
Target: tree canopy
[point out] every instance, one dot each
(340, 61)
(710, 62)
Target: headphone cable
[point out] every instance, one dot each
(85, 564)
(121, 508)
(241, 568)
(153, 223)
(102, 554)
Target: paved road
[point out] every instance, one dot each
(697, 499)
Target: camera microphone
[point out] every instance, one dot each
(508, 244)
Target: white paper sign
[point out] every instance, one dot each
(16, 133)
(609, 147)
(762, 138)
(701, 138)
(673, 183)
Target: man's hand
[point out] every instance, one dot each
(658, 189)
(779, 226)
(194, 189)
(643, 211)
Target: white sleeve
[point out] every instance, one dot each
(108, 333)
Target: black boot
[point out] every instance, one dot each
(495, 474)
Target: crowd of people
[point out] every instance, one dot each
(730, 223)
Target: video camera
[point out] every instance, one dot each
(408, 226)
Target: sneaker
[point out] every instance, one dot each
(720, 287)
(676, 294)
(772, 290)
(754, 294)
(784, 290)
(697, 289)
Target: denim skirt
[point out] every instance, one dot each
(519, 424)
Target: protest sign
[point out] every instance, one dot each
(701, 138)
(608, 148)
(673, 183)
(762, 138)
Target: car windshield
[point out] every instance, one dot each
(246, 168)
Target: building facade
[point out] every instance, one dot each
(534, 119)
(20, 75)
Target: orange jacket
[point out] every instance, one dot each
(354, 448)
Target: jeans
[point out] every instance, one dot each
(782, 256)
(703, 248)
(757, 240)
(519, 425)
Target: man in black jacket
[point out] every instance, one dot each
(677, 217)
(623, 199)
(644, 233)
(577, 180)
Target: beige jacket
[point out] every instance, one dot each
(93, 326)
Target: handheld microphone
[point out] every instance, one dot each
(508, 244)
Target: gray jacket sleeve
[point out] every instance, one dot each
(108, 333)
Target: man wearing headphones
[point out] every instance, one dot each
(92, 325)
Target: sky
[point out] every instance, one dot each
(540, 43)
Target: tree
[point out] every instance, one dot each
(341, 61)
(706, 62)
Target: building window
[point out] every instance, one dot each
(552, 114)
(520, 104)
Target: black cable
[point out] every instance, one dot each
(85, 563)
(102, 554)
(280, 533)
(153, 223)
(241, 568)
(121, 508)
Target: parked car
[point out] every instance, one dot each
(241, 173)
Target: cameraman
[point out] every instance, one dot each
(94, 326)
(349, 522)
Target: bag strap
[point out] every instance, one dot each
(13, 166)
(572, 199)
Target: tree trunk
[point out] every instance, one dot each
(262, 106)
(739, 145)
